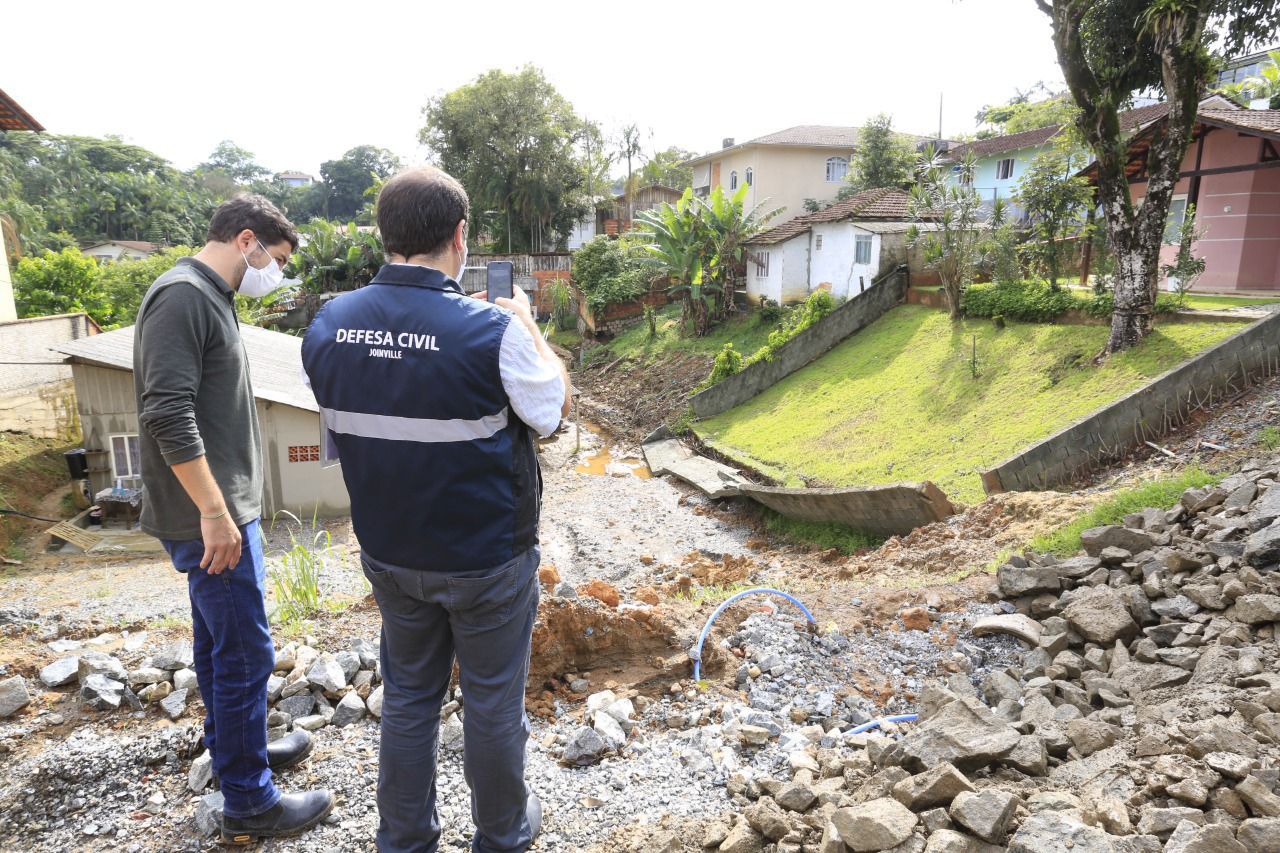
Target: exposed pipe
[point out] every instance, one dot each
(696, 654)
(875, 724)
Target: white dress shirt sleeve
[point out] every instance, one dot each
(535, 388)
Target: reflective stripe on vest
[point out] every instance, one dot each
(423, 430)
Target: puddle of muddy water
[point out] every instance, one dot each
(601, 462)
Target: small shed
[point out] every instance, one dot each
(36, 393)
(842, 249)
(293, 480)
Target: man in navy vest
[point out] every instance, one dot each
(433, 399)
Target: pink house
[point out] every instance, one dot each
(1231, 173)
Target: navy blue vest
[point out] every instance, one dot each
(442, 473)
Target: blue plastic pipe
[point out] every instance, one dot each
(875, 724)
(706, 629)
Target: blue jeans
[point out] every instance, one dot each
(234, 658)
(485, 619)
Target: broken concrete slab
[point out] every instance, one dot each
(672, 457)
(891, 510)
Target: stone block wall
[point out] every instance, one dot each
(1144, 414)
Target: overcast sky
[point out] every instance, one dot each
(298, 83)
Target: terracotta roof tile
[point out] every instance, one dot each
(884, 204)
(1267, 121)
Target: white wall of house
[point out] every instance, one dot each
(833, 253)
(295, 481)
(764, 273)
(582, 233)
(114, 252)
(8, 309)
(795, 270)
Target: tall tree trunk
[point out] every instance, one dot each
(1135, 278)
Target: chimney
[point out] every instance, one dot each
(727, 142)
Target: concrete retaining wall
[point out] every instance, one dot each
(1142, 415)
(893, 510)
(852, 316)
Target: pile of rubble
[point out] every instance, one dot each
(308, 690)
(1144, 716)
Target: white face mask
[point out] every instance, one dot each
(462, 267)
(259, 282)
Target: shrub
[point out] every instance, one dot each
(1102, 304)
(728, 362)
(770, 311)
(610, 271)
(1027, 301)
(819, 304)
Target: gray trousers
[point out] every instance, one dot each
(485, 619)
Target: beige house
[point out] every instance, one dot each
(120, 250)
(782, 169)
(287, 412)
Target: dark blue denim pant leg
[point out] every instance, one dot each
(234, 656)
(486, 619)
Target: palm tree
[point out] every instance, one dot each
(729, 226)
(678, 244)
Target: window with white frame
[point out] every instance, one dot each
(1004, 169)
(733, 180)
(817, 243)
(125, 456)
(750, 176)
(762, 264)
(862, 249)
(1173, 225)
(837, 168)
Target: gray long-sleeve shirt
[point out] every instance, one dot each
(191, 379)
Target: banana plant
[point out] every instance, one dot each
(729, 225)
(677, 246)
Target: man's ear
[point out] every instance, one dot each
(245, 240)
(460, 236)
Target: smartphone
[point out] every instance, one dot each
(500, 280)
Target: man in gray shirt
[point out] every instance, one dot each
(202, 472)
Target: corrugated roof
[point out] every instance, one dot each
(275, 361)
(883, 205)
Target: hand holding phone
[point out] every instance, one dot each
(500, 280)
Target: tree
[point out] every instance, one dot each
(347, 178)
(666, 167)
(1021, 112)
(516, 144)
(949, 224)
(63, 283)
(629, 149)
(125, 283)
(1055, 200)
(1108, 51)
(235, 162)
(883, 159)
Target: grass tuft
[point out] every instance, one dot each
(1269, 438)
(820, 534)
(1159, 494)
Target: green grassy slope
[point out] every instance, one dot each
(898, 401)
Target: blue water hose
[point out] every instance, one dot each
(696, 654)
(875, 724)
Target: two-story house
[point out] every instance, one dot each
(1000, 162)
(783, 168)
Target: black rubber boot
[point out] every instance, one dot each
(289, 750)
(285, 752)
(294, 814)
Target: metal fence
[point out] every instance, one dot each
(524, 266)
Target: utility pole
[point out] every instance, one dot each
(939, 116)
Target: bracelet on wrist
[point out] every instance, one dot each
(213, 517)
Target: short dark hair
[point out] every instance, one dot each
(258, 214)
(418, 211)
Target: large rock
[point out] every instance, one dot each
(963, 732)
(349, 710)
(61, 672)
(585, 747)
(1023, 627)
(1138, 677)
(766, 818)
(1016, 581)
(1090, 736)
(936, 786)
(13, 696)
(986, 814)
(742, 839)
(176, 655)
(1258, 609)
(610, 730)
(101, 693)
(452, 734)
(326, 673)
(1059, 832)
(375, 702)
(209, 814)
(201, 772)
(875, 825)
(1099, 614)
(1113, 536)
(1259, 797)
(97, 663)
(1262, 548)
(1260, 835)
(175, 704)
(1215, 838)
